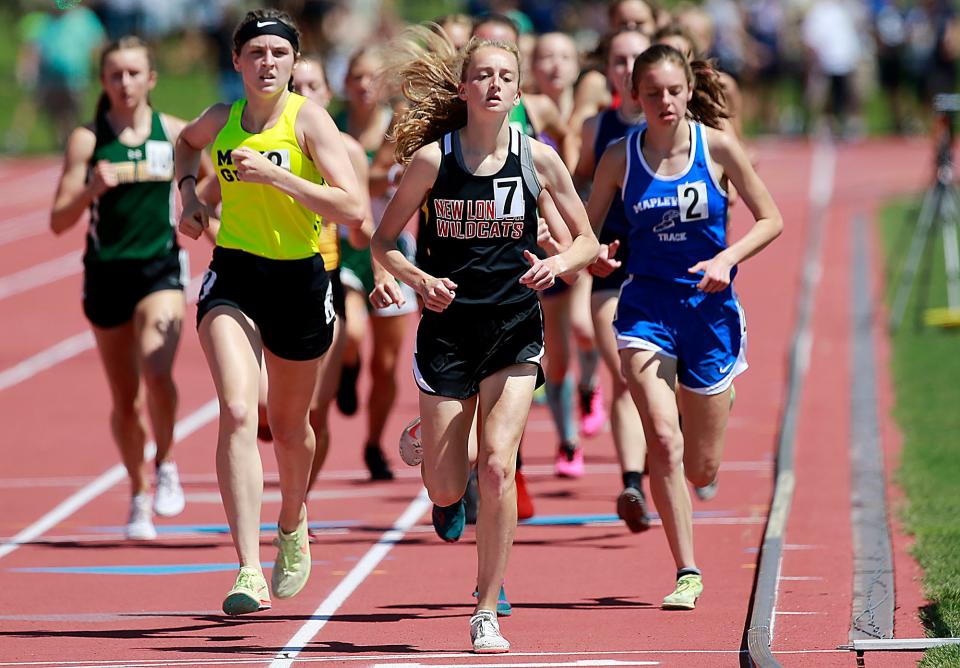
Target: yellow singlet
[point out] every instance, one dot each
(260, 219)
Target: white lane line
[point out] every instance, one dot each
(205, 414)
(25, 185)
(274, 495)
(60, 352)
(366, 658)
(418, 657)
(346, 474)
(45, 359)
(354, 579)
(25, 225)
(41, 274)
(559, 664)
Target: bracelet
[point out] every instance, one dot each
(188, 176)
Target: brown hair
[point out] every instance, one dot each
(121, 44)
(655, 9)
(601, 55)
(674, 29)
(708, 104)
(429, 72)
(498, 20)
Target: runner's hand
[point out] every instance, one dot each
(387, 293)
(605, 264)
(252, 166)
(103, 177)
(195, 218)
(437, 293)
(542, 273)
(716, 274)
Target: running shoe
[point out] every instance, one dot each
(632, 509)
(449, 521)
(485, 634)
(684, 597)
(291, 570)
(249, 593)
(376, 463)
(140, 521)
(168, 500)
(504, 609)
(347, 389)
(593, 416)
(569, 461)
(411, 447)
(471, 497)
(524, 502)
(707, 492)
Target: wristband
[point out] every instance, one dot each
(188, 176)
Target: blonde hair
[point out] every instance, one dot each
(429, 72)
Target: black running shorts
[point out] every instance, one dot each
(291, 301)
(458, 348)
(112, 290)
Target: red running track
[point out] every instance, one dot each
(79, 594)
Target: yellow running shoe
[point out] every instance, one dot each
(249, 593)
(292, 566)
(684, 597)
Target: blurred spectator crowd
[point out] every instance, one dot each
(801, 65)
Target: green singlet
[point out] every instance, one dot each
(135, 219)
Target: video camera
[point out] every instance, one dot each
(946, 106)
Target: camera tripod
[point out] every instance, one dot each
(940, 209)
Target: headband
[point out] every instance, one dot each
(268, 26)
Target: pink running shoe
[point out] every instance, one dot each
(569, 463)
(593, 416)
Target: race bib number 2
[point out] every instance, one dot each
(692, 199)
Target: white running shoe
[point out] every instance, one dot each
(708, 491)
(485, 634)
(140, 524)
(411, 448)
(169, 500)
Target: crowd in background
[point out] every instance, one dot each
(797, 62)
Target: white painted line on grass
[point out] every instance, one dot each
(41, 274)
(354, 579)
(105, 481)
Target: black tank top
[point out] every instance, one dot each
(477, 227)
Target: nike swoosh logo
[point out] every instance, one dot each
(726, 368)
(261, 24)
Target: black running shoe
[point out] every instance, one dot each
(347, 390)
(632, 509)
(376, 463)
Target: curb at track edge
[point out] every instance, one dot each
(758, 635)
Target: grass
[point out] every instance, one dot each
(926, 368)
